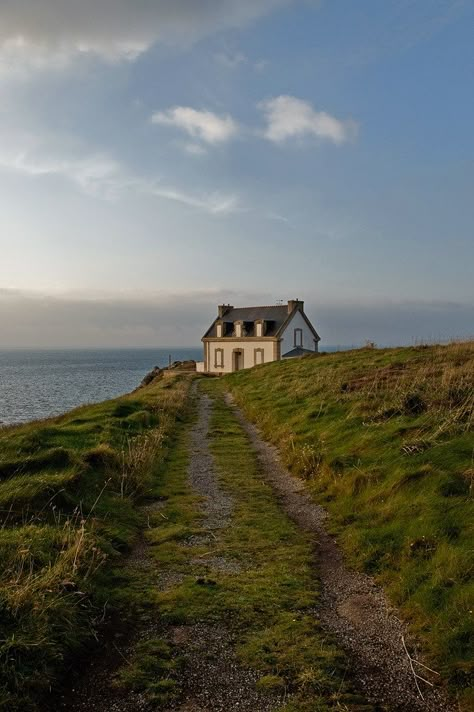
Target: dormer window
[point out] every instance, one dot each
(259, 329)
(238, 329)
(219, 331)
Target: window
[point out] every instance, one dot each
(258, 330)
(219, 331)
(238, 328)
(219, 358)
(298, 338)
(258, 356)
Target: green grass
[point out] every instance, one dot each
(384, 440)
(69, 489)
(150, 670)
(269, 603)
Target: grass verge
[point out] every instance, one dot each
(384, 440)
(69, 487)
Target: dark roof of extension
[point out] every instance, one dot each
(298, 351)
(275, 316)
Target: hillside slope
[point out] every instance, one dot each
(384, 440)
(69, 487)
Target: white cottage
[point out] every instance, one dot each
(247, 336)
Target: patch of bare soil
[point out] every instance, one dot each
(352, 606)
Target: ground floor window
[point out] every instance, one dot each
(259, 356)
(219, 358)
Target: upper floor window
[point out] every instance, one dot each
(238, 329)
(298, 338)
(219, 331)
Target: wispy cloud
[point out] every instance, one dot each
(203, 125)
(101, 176)
(233, 60)
(288, 117)
(230, 60)
(94, 173)
(212, 203)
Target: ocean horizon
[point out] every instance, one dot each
(41, 383)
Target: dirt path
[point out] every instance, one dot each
(352, 606)
(212, 679)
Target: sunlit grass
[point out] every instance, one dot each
(384, 440)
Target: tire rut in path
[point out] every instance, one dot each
(352, 607)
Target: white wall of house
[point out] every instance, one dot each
(288, 336)
(247, 347)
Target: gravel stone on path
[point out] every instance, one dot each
(217, 506)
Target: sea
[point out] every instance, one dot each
(37, 384)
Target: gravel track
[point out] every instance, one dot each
(351, 605)
(212, 679)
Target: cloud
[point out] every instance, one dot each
(195, 149)
(289, 117)
(101, 176)
(203, 125)
(116, 29)
(233, 60)
(180, 318)
(85, 320)
(230, 60)
(94, 173)
(212, 203)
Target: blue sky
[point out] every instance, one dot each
(157, 158)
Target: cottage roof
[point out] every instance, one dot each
(275, 316)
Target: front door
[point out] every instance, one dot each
(238, 360)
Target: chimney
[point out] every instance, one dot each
(294, 304)
(223, 309)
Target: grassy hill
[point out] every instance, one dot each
(385, 441)
(68, 493)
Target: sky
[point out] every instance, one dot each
(159, 157)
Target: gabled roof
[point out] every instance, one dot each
(275, 316)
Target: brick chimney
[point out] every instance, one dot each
(294, 304)
(223, 309)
